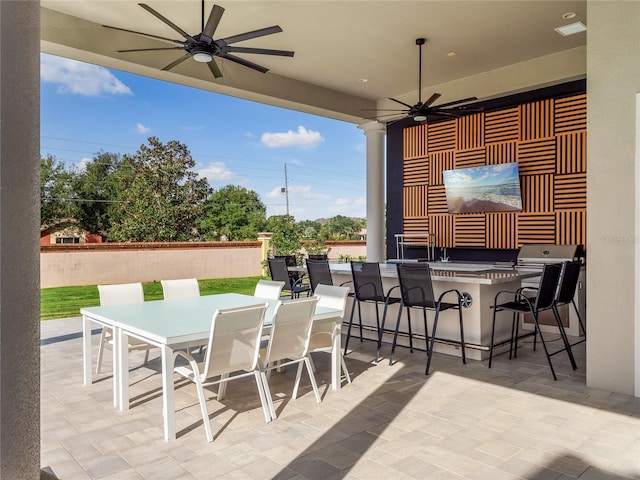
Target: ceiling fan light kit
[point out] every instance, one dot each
(203, 48)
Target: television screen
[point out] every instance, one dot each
(490, 188)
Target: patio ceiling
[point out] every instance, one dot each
(501, 46)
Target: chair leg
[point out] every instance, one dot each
(395, 335)
(313, 366)
(379, 331)
(346, 342)
(563, 335)
(360, 321)
(203, 407)
(222, 387)
(433, 338)
(409, 328)
(345, 369)
(462, 346)
(582, 326)
(263, 399)
(313, 380)
(493, 331)
(267, 394)
(146, 357)
(296, 384)
(103, 340)
(544, 345)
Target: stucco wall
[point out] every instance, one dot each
(613, 71)
(67, 265)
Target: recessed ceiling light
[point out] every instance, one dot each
(571, 29)
(451, 54)
(363, 80)
(569, 15)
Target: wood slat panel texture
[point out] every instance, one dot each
(442, 136)
(469, 230)
(470, 131)
(571, 114)
(548, 140)
(415, 201)
(438, 163)
(502, 126)
(501, 230)
(414, 141)
(415, 171)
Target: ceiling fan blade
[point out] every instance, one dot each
(391, 115)
(446, 113)
(215, 70)
(456, 102)
(261, 51)
(144, 34)
(383, 110)
(401, 103)
(432, 99)
(249, 35)
(166, 20)
(467, 109)
(244, 62)
(148, 49)
(212, 22)
(177, 62)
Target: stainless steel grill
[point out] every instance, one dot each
(534, 256)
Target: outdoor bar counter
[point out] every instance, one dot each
(478, 283)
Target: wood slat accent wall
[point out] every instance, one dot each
(548, 140)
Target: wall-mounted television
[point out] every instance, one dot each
(490, 188)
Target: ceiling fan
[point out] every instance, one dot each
(421, 111)
(203, 48)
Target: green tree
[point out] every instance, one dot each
(286, 234)
(57, 200)
(98, 190)
(161, 197)
(310, 228)
(341, 227)
(234, 213)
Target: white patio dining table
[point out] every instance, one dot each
(171, 325)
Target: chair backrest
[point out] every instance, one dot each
(548, 285)
(279, 273)
(415, 284)
(291, 329)
(319, 273)
(332, 296)
(367, 282)
(569, 282)
(268, 289)
(121, 294)
(183, 288)
(234, 340)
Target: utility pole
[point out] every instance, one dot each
(285, 190)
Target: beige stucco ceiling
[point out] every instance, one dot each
(501, 46)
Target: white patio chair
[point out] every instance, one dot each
(268, 289)
(289, 343)
(120, 294)
(232, 353)
(182, 288)
(323, 332)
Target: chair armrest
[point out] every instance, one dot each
(516, 294)
(391, 290)
(453, 290)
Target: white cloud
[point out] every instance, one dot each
(219, 172)
(81, 166)
(302, 192)
(80, 78)
(301, 138)
(349, 207)
(142, 129)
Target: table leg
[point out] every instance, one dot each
(86, 350)
(121, 368)
(168, 402)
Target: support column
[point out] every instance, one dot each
(375, 132)
(19, 240)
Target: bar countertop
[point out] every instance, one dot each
(480, 273)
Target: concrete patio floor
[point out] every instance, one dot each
(461, 422)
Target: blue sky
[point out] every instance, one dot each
(86, 109)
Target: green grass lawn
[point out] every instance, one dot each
(63, 302)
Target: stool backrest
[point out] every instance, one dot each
(415, 284)
(569, 282)
(367, 282)
(319, 273)
(548, 286)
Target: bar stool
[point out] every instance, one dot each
(417, 292)
(521, 304)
